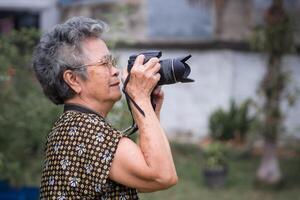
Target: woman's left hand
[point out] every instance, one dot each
(158, 98)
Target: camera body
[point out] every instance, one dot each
(172, 70)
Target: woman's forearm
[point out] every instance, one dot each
(154, 143)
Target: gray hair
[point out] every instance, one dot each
(60, 49)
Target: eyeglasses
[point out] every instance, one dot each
(108, 61)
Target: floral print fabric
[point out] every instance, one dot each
(79, 152)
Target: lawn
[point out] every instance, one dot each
(240, 184)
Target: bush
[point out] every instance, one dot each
(215, 156)
(235, 123)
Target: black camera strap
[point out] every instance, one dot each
(134, 126)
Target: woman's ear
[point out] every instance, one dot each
(72, 80)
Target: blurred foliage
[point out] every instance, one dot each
(215, 157)
(26, 115)
(276, 38)
(121, 19)
(120, 115)
(236, 122)
(121, 119)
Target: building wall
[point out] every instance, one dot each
(49, 14)
(126, 19)
(219, 76)
(236, 20)
(179, 19)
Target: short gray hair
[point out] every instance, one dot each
(60, 49)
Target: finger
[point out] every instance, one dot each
(156, 77)
(151, 63)
(139, 60)
(154, 69)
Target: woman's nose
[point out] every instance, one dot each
(115, 71)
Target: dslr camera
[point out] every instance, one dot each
(172, 70)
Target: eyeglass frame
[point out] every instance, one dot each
(107, 60)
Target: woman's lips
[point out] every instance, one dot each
(115, 84)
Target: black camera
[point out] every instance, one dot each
(172, 70)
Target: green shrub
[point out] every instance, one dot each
(215, 156)
(236, 122)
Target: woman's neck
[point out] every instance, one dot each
(100, 108)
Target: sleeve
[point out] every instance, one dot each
(91, 149)
(105, 140)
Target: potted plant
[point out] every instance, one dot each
(215, 165)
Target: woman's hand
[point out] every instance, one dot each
(143, 79)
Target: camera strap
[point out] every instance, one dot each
(133, 128)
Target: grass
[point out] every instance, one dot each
(240, 184)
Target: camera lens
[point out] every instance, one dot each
(174, 70)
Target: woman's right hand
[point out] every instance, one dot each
(143, 78)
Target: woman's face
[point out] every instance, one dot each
(102, 84)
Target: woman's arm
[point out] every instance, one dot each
(148, 166)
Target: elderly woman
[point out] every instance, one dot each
(86, 158)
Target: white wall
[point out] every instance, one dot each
(219, 76)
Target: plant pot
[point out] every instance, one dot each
(215, 177)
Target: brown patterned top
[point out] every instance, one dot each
(79, 152)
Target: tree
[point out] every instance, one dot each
(276, 39)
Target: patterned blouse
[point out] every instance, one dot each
(79, 152)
